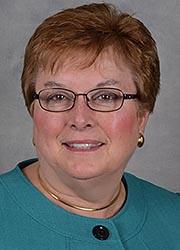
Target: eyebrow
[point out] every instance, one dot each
(109, 82)
(53, 83)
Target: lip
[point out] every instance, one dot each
(83, 145)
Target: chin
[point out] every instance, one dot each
(85, 172)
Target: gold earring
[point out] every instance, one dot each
(140, 141)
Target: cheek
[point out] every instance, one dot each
(122, 125)
(46, 125)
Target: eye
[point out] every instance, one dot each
(58, 97)
(106, 96)
(55, 98)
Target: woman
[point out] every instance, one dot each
(90, 81)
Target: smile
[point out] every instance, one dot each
(83, 146)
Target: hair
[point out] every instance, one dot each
(89, 30)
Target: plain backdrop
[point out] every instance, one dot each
(158, 161)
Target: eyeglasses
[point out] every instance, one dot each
(100, 99)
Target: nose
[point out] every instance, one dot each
(81, 116)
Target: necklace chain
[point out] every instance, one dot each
(57, 198)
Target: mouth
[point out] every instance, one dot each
(83, 146)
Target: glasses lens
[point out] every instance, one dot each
(105, 99)
(56, 99)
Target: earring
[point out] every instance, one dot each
(140, 140)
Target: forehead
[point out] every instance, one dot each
(72, 75)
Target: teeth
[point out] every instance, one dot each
(84, 145)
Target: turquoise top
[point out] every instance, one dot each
(149, 219)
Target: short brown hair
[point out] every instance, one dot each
(89, 29)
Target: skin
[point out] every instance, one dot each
(78, 176)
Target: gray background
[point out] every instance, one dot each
(158, 161)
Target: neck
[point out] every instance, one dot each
(100, 199)
(58, 198)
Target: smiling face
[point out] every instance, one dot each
(81, 143)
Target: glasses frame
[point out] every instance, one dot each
(126, 96)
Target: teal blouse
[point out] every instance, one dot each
(149, 219)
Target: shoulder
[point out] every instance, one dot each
(16, 168)
(13, 177)
(160, 216)
(151, 190)
(156, 197)
(6, 180)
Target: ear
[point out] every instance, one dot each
(31, 109)
(143, 118)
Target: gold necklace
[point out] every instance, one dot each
(54, 196)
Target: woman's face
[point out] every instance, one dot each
(82, 143)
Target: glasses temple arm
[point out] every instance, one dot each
(130, 96)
